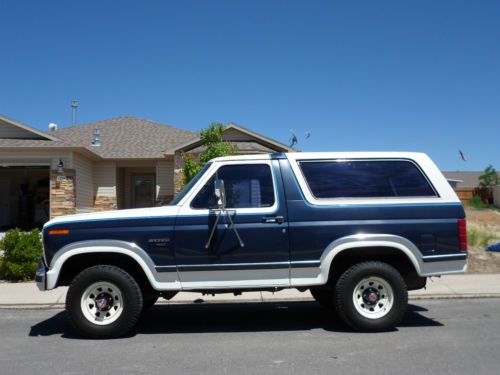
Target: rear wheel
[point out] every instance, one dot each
(371, 296)
(103, 301)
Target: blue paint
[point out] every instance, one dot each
(445, 257)
(495, 247)
(298, 242)
(263, 242)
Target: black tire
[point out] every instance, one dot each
(149, 300)
(123, 292)
(325, 297)
(373, 310)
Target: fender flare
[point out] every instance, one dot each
(106, 247)
(369, 240)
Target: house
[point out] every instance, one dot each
(463, 180)
(124, 162)
(466, 185)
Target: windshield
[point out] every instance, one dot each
(188, 187)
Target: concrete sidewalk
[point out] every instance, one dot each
(26, 295)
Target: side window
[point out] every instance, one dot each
(247, 186)
(365, 179)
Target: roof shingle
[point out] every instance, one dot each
(126, 138)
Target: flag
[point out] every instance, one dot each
(462, 156)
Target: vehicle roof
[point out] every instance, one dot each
(327, 155)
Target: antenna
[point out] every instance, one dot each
(294, 140)
(74, 107)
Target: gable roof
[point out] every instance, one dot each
(126, 137)
(11, 129)
(242, 147)
(247, 136)
(130, 137)
(465, 180)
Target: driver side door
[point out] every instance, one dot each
(253, 200)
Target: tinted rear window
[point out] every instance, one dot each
(365, 179)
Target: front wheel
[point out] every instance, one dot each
(103, 301)
(371, 296)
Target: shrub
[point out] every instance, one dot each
(191, 168)
(480, 236)
(215, 146)
(22, 250)
(489, 179)
(477, 202)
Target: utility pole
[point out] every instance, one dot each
(74, 107)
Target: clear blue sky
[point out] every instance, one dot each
(359, 75)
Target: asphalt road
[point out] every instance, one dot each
(438, 337)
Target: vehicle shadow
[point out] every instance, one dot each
(232, 317)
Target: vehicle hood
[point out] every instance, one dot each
(150, 212)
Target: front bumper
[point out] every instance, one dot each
(41, 276)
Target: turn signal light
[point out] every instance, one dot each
(56, 232)
(462, 234)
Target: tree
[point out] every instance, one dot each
(211, 138)
(489, 179)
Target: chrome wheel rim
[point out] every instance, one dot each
(373, 297)
(102, 303)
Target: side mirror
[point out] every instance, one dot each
(220, 194)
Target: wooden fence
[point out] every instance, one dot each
(465, 194)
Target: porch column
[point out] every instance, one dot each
(178, 175)
(62, 193)
(105, 203)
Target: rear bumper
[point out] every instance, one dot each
(444, 264)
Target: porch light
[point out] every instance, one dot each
(60, 166)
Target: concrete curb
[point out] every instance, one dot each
(61, 306)
(27, 296)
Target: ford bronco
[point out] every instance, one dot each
(358, 230)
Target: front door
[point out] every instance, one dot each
(143, 190)
(255, 202)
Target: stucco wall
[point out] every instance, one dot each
(164, 181)
(104, 179)
(11, 131)
(84, 181)
(236, 135)
(496, 196)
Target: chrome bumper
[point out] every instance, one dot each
(41, 276)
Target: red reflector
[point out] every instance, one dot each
(58, 231)
(462, 234)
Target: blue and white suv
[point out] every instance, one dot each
(357, 229)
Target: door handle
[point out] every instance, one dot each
(273, 219)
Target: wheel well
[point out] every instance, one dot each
(77, 263)
(395, 257)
